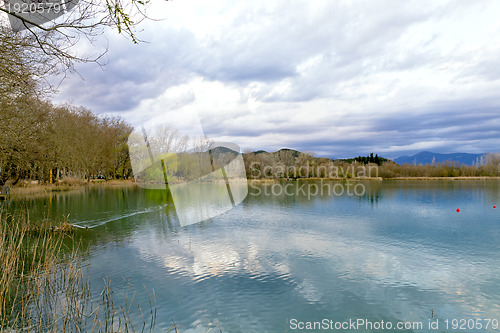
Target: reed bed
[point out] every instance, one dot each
(43, 285)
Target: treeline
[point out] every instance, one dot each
(489, 168)
(366, 159)
(41, 141)
(291, 164)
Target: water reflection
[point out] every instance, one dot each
(396, 253)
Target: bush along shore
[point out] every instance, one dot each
(291, 164)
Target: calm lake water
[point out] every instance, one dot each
(399, 252)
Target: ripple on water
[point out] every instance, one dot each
(273, 258)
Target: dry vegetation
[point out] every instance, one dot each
(292, 164)
(490, 168)
(43, 286)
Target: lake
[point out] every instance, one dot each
(398, 252)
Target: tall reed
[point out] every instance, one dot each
(43, 285)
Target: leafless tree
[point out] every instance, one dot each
(37, 136)
(287, 158)
(51, 45)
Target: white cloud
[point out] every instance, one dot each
(338, 78)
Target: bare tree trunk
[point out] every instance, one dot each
(5, 174)
(17, 179)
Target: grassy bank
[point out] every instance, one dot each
(28, 189)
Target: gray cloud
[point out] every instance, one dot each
(132, 73)
(337, 78)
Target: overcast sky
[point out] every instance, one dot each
(338, 78)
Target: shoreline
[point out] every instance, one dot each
(44, 189)
(275, 180)
(445, 178)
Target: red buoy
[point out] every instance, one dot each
(494, 206)
(458, 210)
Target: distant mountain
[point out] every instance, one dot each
(223, 150)
(427, 157)
(295, 153)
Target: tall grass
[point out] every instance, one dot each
(393, 170)
(43, 286)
